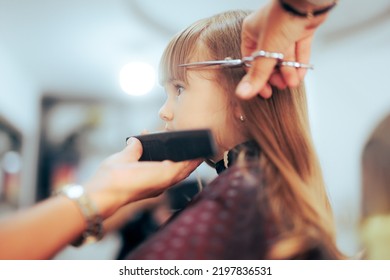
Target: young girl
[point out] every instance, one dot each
(269, 200)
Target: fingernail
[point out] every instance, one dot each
(244, 89)
(130, 140)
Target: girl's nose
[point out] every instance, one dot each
(165, 113)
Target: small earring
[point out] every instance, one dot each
(242, 118)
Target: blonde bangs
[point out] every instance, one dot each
(181, 49)
(204, 41)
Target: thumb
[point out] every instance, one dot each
(256, 79)
(133, 150)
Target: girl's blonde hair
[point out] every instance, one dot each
(295, 193)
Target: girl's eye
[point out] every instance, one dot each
(179, 89)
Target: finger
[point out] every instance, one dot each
(266, 91)
(152, 178)
(303, 52)
(256, 78)
(248, 44)
(277, 80)
(290, 74)
(181, 170)
(132, 152)
(249, 34)
(145, 131)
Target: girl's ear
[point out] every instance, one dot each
(237, 111)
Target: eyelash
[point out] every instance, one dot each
(179, 89)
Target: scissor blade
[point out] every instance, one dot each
(224, 63)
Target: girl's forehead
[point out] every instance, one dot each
(196, 75)
(182, 53)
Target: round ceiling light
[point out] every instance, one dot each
(137, 78)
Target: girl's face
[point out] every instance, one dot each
(200, 104)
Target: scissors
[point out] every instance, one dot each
(247, 61)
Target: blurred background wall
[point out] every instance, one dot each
(61, 98)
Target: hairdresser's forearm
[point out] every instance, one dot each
(41, 231)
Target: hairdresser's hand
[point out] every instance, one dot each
(272, 29)
(122, 179)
